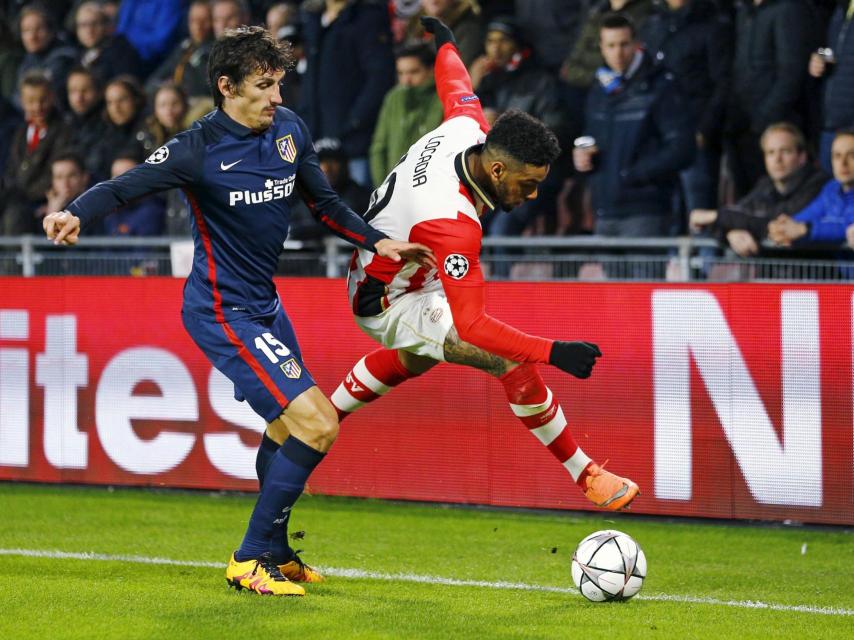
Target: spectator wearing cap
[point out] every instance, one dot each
(463, 18)
(333, 163)
(834, 64)
(692, 40)
(350, 67)
(643, 137)
(508, 77)
(35, 144)
(106, 55)
(409, 110)
(44, 50)
(512, 79)
(187, 64)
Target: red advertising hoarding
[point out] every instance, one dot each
(728, 401)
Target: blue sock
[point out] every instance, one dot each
(265, 455)
(284, 481)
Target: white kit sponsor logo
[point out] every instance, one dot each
(274, 189)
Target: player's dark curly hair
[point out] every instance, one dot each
(523, 138)
(240, 52)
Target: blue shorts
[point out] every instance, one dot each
(260, 356)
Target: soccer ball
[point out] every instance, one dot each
(608, 565)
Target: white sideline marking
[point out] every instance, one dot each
(426, 579)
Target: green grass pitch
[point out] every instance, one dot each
(385, 562)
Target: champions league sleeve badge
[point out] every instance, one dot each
(456, 266)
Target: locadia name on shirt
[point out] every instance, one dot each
(419, 175)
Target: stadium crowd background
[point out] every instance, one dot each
(723, 118)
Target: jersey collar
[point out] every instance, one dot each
(232, 126)
(462, 169)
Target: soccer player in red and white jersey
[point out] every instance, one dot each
(422, 315)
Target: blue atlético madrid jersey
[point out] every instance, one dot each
(240, 185)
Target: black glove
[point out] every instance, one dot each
(439, 30)
(576, 358)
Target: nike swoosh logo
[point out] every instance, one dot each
(226, 167)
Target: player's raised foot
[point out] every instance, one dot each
(298, 571)
(608, 490)
(261, 576)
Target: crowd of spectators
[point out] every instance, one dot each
(732, 119)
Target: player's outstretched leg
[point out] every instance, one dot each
(535, 405)
(373, 376)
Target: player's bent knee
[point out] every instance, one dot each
(312, 418)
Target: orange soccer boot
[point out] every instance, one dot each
(607, 490)
(298, 571)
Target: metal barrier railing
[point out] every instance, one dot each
(586, 258)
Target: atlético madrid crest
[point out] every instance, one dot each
(291, 369)
(287, 148)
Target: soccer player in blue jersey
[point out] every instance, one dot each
(240, 166)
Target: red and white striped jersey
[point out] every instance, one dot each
(424, 187)
(431, 198)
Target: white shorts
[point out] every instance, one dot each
(416, 322)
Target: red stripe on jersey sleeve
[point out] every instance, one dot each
(456, 244)
(453, 85)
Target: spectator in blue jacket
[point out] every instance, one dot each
(644, 135)
(350, 67)
(835, 64)
(826, 219)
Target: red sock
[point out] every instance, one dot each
(533, 403)
(373, 376)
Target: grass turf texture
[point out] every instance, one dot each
(72, 598)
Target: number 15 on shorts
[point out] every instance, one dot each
(271, 347)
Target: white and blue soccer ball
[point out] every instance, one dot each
(608, 565)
